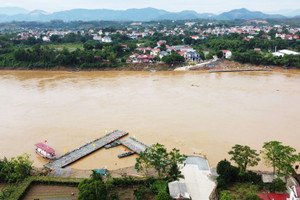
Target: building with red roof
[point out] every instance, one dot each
(273, 196)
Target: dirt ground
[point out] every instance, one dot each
(226, 64)
(2, 186)
(51, 192)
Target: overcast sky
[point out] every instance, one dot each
(214, 6)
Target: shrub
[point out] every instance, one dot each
(158, 186)
(277, 185)
(251, 177)
(163, 195)
(141, 193)
(114, 196)
(227, 173)
(225, 196)
(252, 196)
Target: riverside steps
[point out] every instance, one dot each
(134, 145)
(85, 150)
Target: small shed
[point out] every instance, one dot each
(101, 171)
(178, 190)
(268, 178)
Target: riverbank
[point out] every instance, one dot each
(153, 67)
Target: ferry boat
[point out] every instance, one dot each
(45, 151)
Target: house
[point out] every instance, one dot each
(46, 38)
(144, 49)
(289, 37)
(227, 54)
(159, 43)
(155, 52)
(195, 37)
(273, 196)
(205, 52)
(266, 37)
(98, 38)
(162, 54)
(285, 52)
(178, 190)
(106, 39)
(192, 56)
(294, 192)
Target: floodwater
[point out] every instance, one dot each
(196, 112)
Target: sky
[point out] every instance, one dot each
(201, 6)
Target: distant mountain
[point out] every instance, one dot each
(144, 14)
(13, 11)
(287, 12)
(243, 13)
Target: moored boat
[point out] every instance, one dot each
(45, 151)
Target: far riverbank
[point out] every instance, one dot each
(153, 67)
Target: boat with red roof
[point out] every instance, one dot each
(45, 151)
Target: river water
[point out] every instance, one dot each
(196, 112)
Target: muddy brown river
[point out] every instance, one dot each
(196, 112)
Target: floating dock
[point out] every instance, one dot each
(240, 70)
(134, 145)
(85, 150)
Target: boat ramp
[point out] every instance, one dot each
(85, 150)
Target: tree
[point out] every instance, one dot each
(16, 169)
(163, 162)
(277, 185)
(244, 156)
(163, 195)
(93, 188)
(280, 157)
(225, 196)
(227, 173)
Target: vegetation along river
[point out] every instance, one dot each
(196, 112)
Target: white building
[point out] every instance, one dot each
(285, 52)
(294, 192)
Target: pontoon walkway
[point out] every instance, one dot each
(85, 150)
(134, 145)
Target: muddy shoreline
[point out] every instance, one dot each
(221, 64)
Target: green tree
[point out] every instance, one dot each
(93, 188)
(163, 162)
(244, 156)
(141, 193)
(277, 185)
(280, 157)
(225, 196)
(227, 173)
(163, 195)
(16, 169)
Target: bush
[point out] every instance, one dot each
(16, 169)
(225, 196)
(277, 185)
(163, 195)
(114, 196)
(227, 173)
(92, 188)
(158, 186)
(251, 196)
(250, 177)
(141, 193)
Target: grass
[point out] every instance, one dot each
(241, 190)
(21, 189)
(69, 46)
